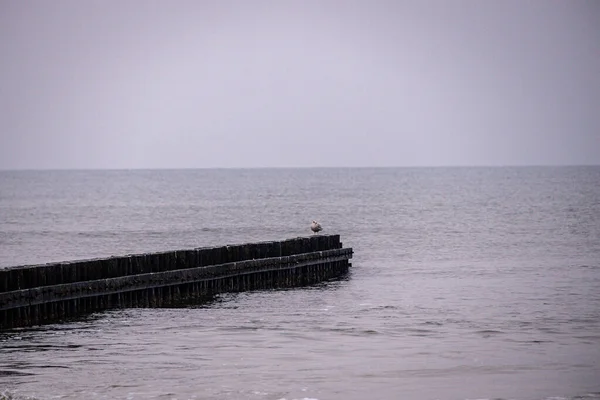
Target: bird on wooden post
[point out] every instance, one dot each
(315, 227)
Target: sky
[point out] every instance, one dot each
(242, 84)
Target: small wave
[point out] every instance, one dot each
(489, 332)
(549, 330)
(434, 323)
(587, 337)
(7, 395)
(97, 234)
(4, 372)
(305, 398)
(210, 229)
(354, 331)
(42, 347)
(421, 332)
(589, 396)
(385, 307)
(532, 341)
(240, 328)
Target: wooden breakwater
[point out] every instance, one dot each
(32, 295)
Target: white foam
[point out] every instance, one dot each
(305, 398)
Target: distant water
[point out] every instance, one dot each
(467, 283)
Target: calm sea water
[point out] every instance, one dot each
(467, 283)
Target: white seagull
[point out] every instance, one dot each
(315, 227)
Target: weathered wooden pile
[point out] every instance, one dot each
(31, 295)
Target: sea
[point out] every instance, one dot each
(466, 283)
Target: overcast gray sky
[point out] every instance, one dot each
(186, 84)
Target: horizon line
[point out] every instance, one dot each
(294, 167)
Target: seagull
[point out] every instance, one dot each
(315, 227)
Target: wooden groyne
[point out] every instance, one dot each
(32, 295)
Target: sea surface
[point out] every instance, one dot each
(467, 283)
